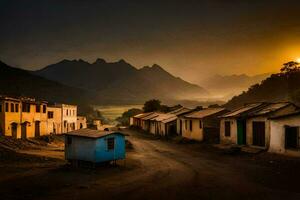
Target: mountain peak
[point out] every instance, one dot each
(99, 61)
(122, 61)
(156, 66)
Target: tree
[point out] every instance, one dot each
(290, 67)
(152, 105)
(124, 119)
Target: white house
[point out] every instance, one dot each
(68, 117)
(233, 124)
(258, 124)
(285, 134)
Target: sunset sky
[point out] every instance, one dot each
(190, 39)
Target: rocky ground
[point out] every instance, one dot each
(154, 169)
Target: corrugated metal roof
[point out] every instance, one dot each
(204, 113)
(242, 110)
(163, 116)
(91, 133)
(294, 113)
(141, 115)
(180, 111)
(272, 107)
(169, 119)
(152, 115)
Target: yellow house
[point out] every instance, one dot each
(54, 120)
(10, 117)
(202, 125)
(23, 118)
(33, 118)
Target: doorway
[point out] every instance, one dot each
(180, 128)
(24, 130)
(259, 133)
(241, 132)
(14, 130)
(37, 129)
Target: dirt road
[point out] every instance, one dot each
(162, 170)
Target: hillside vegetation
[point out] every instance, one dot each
(283, 86)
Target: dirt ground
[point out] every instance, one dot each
(154, 169)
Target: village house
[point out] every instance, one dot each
(54, 119)
(258, 124)
(68, 117)
(23, 117)
(285, 134)
(233, 124)
(136, 120)
(81, 122)
(145, 121)
(180, 112)
(94, 146)
(202, 125)
(164, 124)
(10, 117)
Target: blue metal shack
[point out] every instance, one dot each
(94, 146)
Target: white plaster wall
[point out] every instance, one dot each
(196, 133)
(232, 139)
(277, 135)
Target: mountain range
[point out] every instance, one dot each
(227, 86)
(19, 82)
(77, 81)
(120, 82)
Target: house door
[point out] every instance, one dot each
(241, 132)
(37, 129)
(291, 138)
(259, 133)
(180, 127)
(23, 131)
(14, 129)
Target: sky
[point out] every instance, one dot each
(190, 39)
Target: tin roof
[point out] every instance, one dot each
(271, 107)
(91, 133)
(204, 113)
(163, 116)
(242, 110)
(180, 111)
(141, 115)
(169, 119)
(152, 115)
(294, 113)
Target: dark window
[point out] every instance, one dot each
(74, 112)
(185, 123)
(110, 143)
(291, 137)
(6, 107)
(258, 130)
(67, 112)
(200, 124)
(69, 140)
(25, 107)
(50, 114)
(191, 125)
(38, 108)
(0, 107)
(44, 108)
(12, 107)
(17, 107)
(227, 129)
